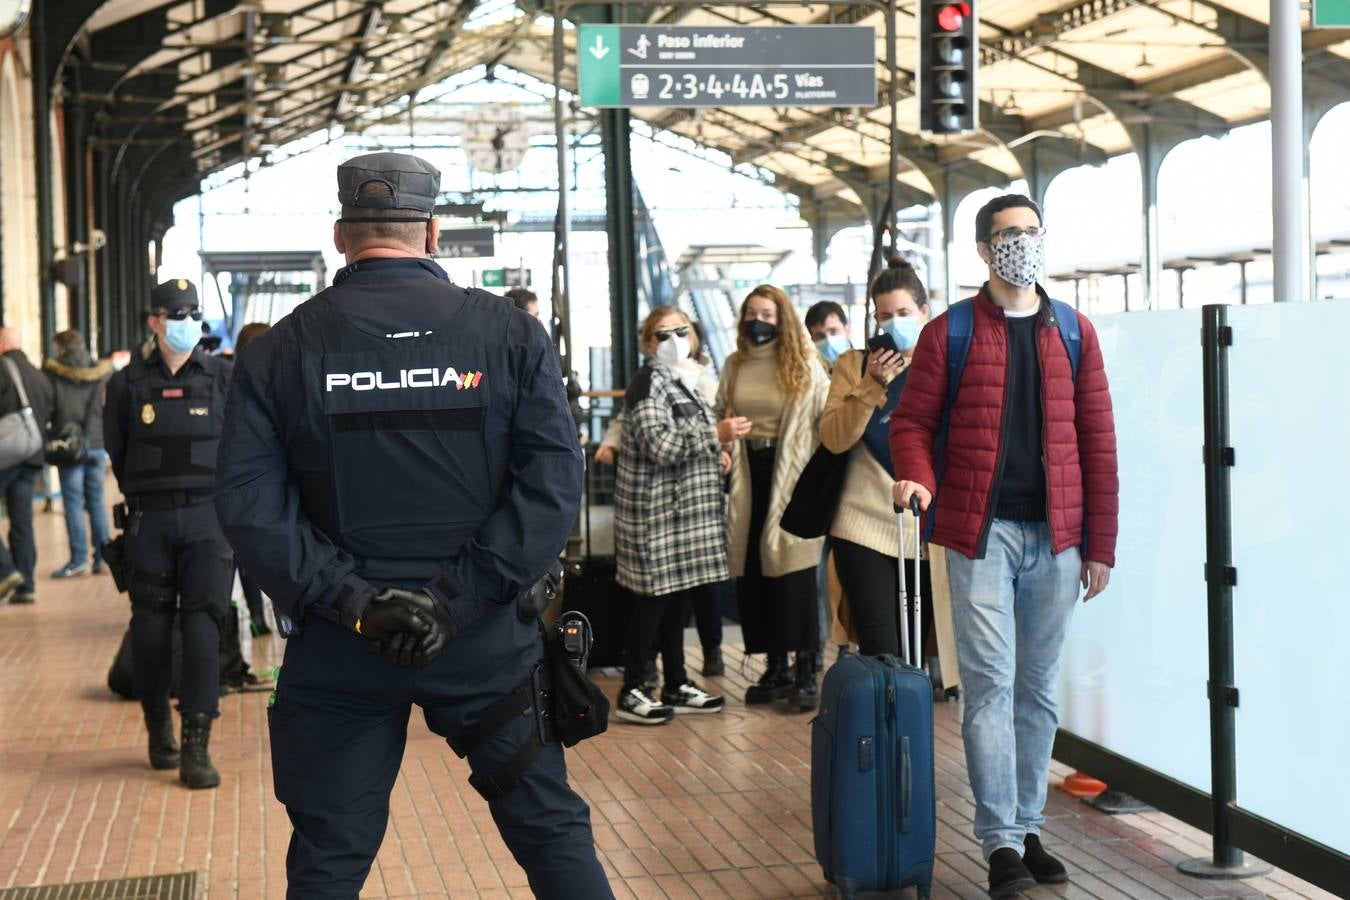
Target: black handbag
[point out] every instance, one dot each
(66, 446)
(815, 498)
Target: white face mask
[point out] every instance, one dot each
(1018, 261)
(672, 350)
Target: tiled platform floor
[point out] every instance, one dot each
(708, 807)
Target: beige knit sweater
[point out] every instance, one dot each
(758, 396)
(780, 553)
(866, 515)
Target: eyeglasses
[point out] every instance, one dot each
(181, 313)
(665, 333)
(1012, 234)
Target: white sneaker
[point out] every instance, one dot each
(636, 706)
(690, 698)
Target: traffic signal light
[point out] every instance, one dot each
(949, 54)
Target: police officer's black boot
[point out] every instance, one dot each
(774, 684)
(196, 770)
(806, 689)
(159, 723)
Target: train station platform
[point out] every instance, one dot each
(707, 807)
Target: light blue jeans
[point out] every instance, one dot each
(81, 492)
(1011, 612)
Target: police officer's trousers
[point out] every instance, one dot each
(339, 725)
(180, 564)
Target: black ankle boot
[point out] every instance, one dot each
(196, 770)
(1042, 866)
(1008, 877)
(159, 723)
(775, 684)
(806, 687)
(712, 662)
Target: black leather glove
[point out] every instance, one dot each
(411, 645)
(394, 627)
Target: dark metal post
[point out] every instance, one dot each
(623, 287)
(1220, 577)
(42, 149)
(77, 197)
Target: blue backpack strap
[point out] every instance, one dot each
(1066, 317)
(960, 332)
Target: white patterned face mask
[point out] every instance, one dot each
(1018, 260)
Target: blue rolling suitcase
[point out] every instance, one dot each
(872, 797)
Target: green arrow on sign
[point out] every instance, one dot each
(598, 49)
(1331, 14)
(494, 278)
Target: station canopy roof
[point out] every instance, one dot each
(1061, 84)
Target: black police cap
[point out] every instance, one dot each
(172, 295)
(413, 182)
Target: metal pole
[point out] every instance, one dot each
(562, 291)
(894, 168)
(1220, 578)
(42, 149)
(1286, 134)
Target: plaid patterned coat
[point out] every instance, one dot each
(670, 512)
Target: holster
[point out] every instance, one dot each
(114, 554)
(568, 707)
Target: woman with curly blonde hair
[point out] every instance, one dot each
(771, 395)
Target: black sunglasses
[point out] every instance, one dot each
(181, 313)
(664, 334)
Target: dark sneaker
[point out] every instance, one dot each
(690, 698)
(1042, 866)
(637, 706)
(712, 662)
(71, 570)
(1008, 877)
(24, 598)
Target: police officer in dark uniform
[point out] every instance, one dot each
(161, 427)
(399, 464)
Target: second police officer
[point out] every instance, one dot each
(161, 427)
(399, 465)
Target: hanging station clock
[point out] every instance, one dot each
(13, 13)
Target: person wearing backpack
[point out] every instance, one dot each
(21, 385)
(1005, 433)
(76, 449)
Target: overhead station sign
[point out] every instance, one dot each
(692, 66)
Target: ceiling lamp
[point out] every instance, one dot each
(272, 114)
(377, 67)
(1010, 106)
(398, 26)
(274, 77)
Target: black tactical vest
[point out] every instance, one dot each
(175, 427)
(404, 441)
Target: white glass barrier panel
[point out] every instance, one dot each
(1134, 672)
(1290, 403)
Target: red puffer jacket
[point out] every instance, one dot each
(1079, 439)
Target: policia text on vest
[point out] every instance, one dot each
(399, 456)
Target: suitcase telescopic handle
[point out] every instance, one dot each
(911, 620)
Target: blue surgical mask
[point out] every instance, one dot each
(904, 330)
(833, 346)
(182, 334)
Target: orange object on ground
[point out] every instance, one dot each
(1080, 785)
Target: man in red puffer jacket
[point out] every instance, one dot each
(1028, 504)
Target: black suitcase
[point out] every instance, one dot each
(590, 588)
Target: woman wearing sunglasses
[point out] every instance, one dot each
(773, 389)
(669, 517)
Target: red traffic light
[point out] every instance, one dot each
(952, 16)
